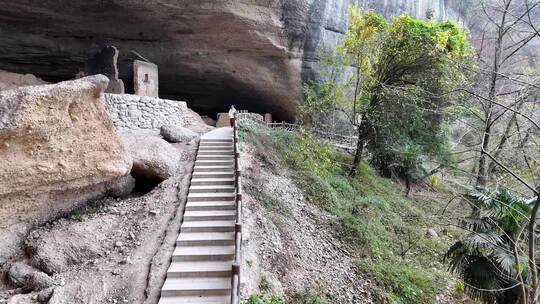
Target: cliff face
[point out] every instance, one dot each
(250, 53)
(327, 21)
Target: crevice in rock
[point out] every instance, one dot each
(144, 184)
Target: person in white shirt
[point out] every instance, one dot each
(232, 112)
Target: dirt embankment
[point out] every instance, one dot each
(112, 251)
(290, 245)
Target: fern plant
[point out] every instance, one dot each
(491, 259)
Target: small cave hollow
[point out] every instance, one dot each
(144, 184)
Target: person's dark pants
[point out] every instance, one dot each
(232, 119)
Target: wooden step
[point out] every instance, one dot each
(212, 189)
(207, 226)
(202, 269)
(215, 157)
(202, 163)
(217, 143)
(215, 152)
(212, 181)
(205, 239)
(215, 205)
(203, 253)
(214, 140)
(195, 300)
(210, 215)
(215, 147)
(196, 286)
(202, 197)
(212, 168)
(205, 174)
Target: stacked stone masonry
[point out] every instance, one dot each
(143, 112)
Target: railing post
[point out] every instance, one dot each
(235, 280)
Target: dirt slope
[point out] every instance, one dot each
(290, 243)
(114, 251)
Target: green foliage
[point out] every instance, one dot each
(405, 71)
(304, 153)
(484, 258)
(264, 298)
(306, 297)
(264, 286)
(407, 284)
(416, 65)
(322, 96)
(453, 112)
(256, 299)
(362, 41)
(375, 220)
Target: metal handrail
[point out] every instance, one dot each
(235, 280)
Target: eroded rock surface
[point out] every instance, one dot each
(177, 134)
(58, 148)
(58, 137)
(251, 53)
(10, 80)
(153, 157)
(112, 250)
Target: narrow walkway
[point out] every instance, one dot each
(201, 267)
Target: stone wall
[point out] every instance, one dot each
(143, 112)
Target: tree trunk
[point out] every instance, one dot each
(532, 249)
(356, 87)
(502, 143)
(359, 152)
(483, 172)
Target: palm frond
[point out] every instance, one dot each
(476, 224)
(456, 256)
(506, 262)
(483, 239)
(481, 278)
(479, 199)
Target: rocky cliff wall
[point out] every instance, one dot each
(251, 53)
(10, 81)
(327, 22)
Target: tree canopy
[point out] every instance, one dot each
(408, 69)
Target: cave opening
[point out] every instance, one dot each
(144, 184)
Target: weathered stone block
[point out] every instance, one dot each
(145, 78)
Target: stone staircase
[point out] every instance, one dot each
(201, 264)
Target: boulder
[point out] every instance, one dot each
(153, 157)
(57, 137)
(58, 148)
(10, 80)
(431, 233)
(122, 187)
(177, 134)
(23, 275)
(18, 272)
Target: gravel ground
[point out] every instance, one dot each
(291, 243)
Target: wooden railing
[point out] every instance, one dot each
(235, 281)
(338, 140)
